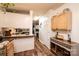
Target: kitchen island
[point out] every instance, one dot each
(21, 42)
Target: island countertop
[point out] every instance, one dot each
(18, 36)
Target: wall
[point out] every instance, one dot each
(75, 22)
(16, 20)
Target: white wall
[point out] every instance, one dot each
(75, 22)
(16, 20)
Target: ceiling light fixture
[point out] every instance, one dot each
(3, 6)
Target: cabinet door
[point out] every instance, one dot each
(64, 21)
(61, 22)
(10, 49)
(54, 22)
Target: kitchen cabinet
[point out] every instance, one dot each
(54, 22)
(7, 49)
(3, 51)
(63, 47)
(10, 49)
(62, 22)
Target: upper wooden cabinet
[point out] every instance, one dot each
(54, 22)
(62, 22)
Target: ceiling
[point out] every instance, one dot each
(38, 8)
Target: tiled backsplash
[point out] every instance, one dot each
(22, 30)
(15, 30)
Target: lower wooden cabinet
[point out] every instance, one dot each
(7, 50)
(64, 47)
(59, 51)
(10, 49)
(3, 51)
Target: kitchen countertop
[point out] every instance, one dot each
(19, 36)
(65, 41)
